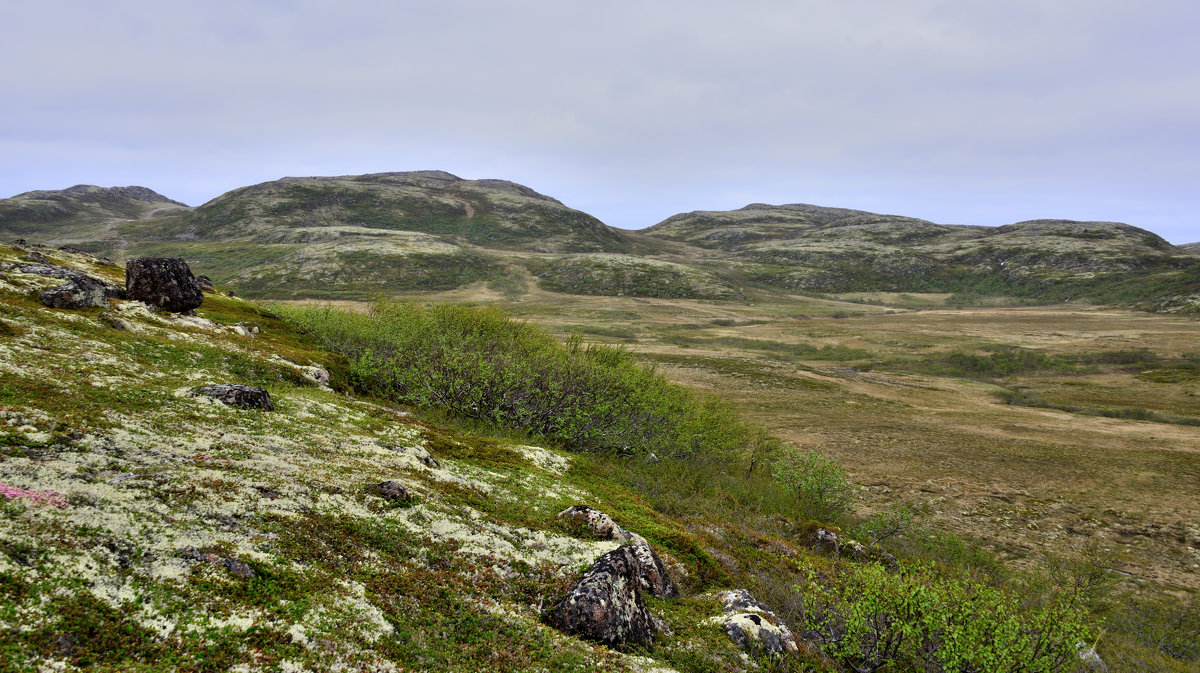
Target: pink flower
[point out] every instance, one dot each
(44, 497)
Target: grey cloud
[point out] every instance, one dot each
(633, 110)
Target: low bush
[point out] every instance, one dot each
(918, 619)
(821, 488)
(475, 362)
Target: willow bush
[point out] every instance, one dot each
(476, 362)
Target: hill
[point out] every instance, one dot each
(831, 250)
(81, 211)
(353, 237)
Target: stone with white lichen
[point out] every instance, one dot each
(606, 606)
(752, 626)
(652, 574)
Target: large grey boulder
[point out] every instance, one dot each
(752, 626)
(79, 291)
(606, 606)
(652, 574)
(165, 282)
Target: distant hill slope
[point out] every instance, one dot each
(813, 248)
(63, 212)
(353, 237)
(492, 213)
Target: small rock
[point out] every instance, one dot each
(110, 319)
(751, 625)
(825, 540)
(239, 568)
(238, 395)
(394, 491)
(1090, 658)
(205, 283)
(166, 282)
(606, 606)
(35, 257)
(235, 567)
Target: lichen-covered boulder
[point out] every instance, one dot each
(652, 573)
(165, 282)
(594, 521)
(235, 395)
(81, 291)
(606, 606)
(752, 626)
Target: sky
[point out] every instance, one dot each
(960, 112)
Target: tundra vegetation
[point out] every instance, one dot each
(1008, 467)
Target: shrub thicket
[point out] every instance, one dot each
(920, 619)
(475, 362)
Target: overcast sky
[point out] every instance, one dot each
(963, 111)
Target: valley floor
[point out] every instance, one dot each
(1025, 481)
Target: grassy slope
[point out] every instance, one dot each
(102, 419)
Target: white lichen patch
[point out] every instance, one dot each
(545, 458)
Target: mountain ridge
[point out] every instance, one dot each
(353, 236)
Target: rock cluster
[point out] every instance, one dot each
(234, 566)
(652, 574)
(606, 606)
(235, 395)
(752, 626)
(79, 291)
(165, 282)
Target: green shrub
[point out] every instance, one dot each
(475, 362)
(919, 620)
(822, 490)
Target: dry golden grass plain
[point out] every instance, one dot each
(1022, 481)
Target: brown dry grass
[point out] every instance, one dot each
(1022, 481)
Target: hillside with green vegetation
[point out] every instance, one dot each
(356, 237)
(396, 506)
(84, 212)
(807, 248)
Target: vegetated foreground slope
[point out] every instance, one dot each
(144, 525)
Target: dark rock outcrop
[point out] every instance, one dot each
(652, 574)
(205, 283)
(394, 492)
(82, 291)
(79, 291)
(235, 567)
(752, 626)
(606, 606)
(247, 397)
(165, 282)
